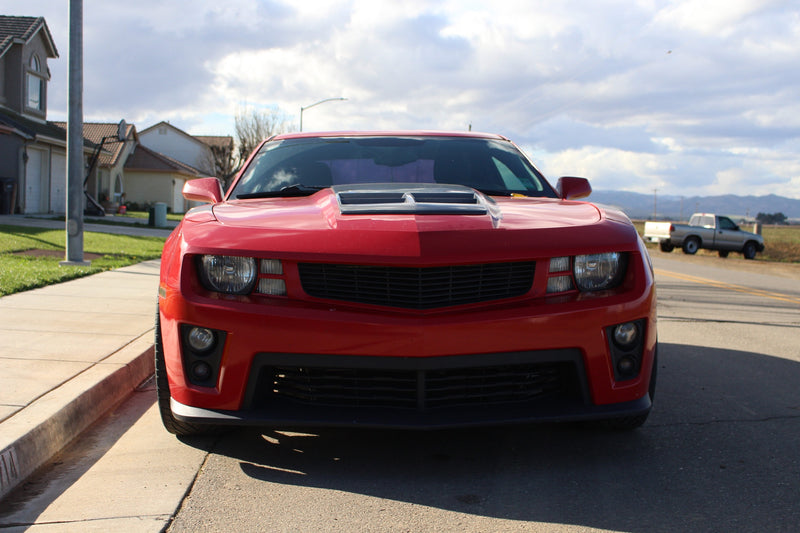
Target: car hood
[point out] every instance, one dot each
(331, 223)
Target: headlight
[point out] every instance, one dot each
(228, 274)
(597, 272)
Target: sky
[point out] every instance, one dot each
(683, 97)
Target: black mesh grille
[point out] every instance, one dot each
(417, 288)
(419, 390)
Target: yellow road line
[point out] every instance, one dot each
(729, 286)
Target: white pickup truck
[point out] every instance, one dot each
(712, 232)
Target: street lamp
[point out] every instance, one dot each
(314, 104)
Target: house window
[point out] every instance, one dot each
(35, 82)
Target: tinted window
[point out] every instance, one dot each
(494, 167)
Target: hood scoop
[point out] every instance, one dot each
(411, 198)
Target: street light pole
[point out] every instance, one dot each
(315, 104)
(74, 218)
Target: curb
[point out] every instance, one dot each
(34, 435)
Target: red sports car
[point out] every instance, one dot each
(401, 279)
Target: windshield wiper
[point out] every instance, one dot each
(297, 189)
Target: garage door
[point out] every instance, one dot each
(58, 184)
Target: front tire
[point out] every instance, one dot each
(691, 245)
(749, 250)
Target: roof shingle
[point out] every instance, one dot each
(112, 147)
(224, 142)
(145, 159)
(21, 30)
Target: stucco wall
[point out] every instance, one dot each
(164, 139)
(151, 187)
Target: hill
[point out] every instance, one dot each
(640, 206)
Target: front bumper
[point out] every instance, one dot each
(565, 336)
(421, 393)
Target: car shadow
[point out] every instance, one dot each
(719, 452)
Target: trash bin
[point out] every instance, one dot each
(160, 214)
(8, 195)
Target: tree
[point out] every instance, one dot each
(255, 125)
(222, 158)
(771, 218)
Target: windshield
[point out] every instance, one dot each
(297, 167)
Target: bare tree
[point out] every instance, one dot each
(225, 161)
(255, 125)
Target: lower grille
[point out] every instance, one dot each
(419, 390)
(417, 288)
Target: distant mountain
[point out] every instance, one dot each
(641, 206)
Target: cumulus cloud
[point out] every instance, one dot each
(687, 97)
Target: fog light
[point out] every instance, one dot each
(626, 366)
(201, 371)
(201, 339)
(626, 335)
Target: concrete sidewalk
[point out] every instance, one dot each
(69, 353)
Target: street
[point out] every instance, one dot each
(718, 453)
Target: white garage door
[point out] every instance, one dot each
(177, 196)
(58, 184)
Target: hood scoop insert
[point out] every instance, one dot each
(415, 198)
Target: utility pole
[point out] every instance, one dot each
(655, 211)
(74, 223)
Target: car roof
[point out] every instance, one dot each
(390, 133)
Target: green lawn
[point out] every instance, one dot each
(43, 249)
(144, 214)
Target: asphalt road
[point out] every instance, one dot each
(719, 452)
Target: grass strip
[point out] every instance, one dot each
(23, 265)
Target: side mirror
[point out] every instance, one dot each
(203, 190)
(570, 188)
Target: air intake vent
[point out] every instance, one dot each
(410, 199)
(417, 288)
(422, 390)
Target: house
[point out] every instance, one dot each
(123, 165)
(32, 150)
(129, 172)
(165, 148)
(175, 143)
(114, 142)
(151, 177)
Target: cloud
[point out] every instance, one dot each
(682, 96)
